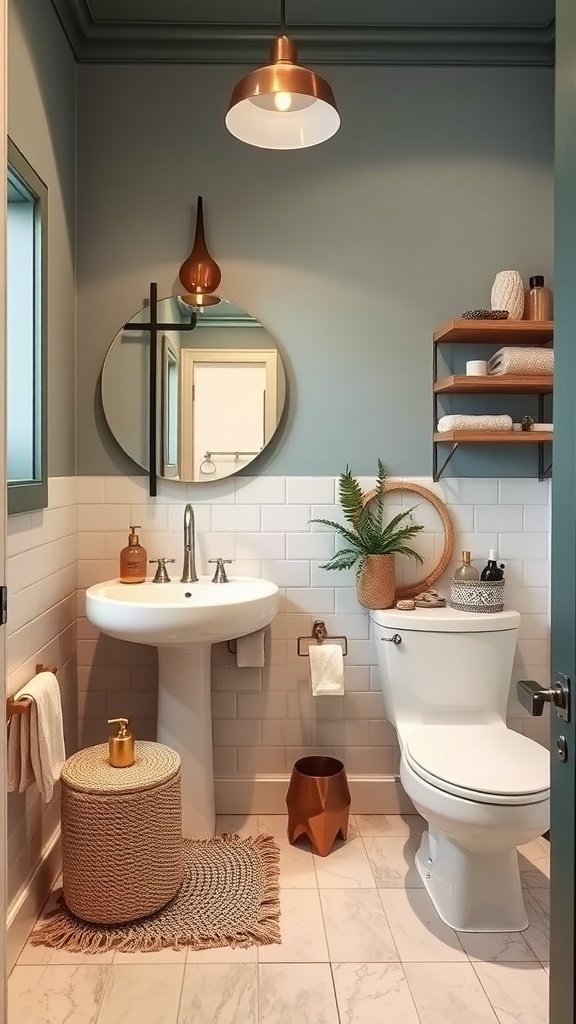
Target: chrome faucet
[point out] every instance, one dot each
(189, 568)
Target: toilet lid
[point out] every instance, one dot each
(486, 763)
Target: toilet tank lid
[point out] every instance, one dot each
(446, 620)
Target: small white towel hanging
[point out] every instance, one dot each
(326, 669)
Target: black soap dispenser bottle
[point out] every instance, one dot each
(492, 571)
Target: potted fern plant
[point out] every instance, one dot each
(370, 542)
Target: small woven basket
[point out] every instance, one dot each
(376, 585)
(477, 595)
(122, 853)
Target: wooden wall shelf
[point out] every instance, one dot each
(494, 436)
(493, 385)
(496, 333)
(499, 332)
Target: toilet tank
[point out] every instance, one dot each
(448, 667)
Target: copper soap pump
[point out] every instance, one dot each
(200, 275)
(121, 746)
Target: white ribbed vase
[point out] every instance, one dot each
(508, 293)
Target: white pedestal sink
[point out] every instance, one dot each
(183, 620)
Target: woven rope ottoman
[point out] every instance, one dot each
(121, 833)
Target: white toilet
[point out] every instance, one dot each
(482, 788)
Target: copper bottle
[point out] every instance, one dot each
(200, 275)
(538, 302)
(318, 801)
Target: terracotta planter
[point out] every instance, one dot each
(318, 802)
(376, 585)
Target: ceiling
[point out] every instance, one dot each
(446, 32)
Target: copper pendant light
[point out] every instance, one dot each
(283, 105)
(200, 275)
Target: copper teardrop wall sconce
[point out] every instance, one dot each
(200, 275)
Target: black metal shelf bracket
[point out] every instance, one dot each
(438, 472)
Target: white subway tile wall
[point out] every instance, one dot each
(41, 552)
(265, 719)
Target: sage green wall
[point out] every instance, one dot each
(42, 123)
(350, 253)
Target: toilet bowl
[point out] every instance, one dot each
(482, 788)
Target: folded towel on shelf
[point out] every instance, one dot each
(522, 360)
(36, 751)
(250, 650)
(462, 422)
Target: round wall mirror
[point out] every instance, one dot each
(221, 389)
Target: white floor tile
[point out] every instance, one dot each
(56, 995)
(448, 994)
(390, 825)
(297, 869)
(534, 864)
(243, 824)
(371, 993)
(392, 862)
(346, 867)
(420, 935)
(61, 956)
(537, 934)
(302, 927)
(301, 993)
(219, 994)
(273, 824)
(356, 926)
(499, 947)
(518, 992)
(142, 995)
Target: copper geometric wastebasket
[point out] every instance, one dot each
(318, 801)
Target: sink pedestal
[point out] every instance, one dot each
(185, 724)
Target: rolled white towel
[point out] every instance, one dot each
(446, 423)
(522, 360)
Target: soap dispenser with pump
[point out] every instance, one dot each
(133, 559)
(121, 746)
(491, 570)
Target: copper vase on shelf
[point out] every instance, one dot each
(200, 275)
(318, 802)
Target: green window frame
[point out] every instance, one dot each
(28, 490)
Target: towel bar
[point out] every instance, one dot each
(20, 707)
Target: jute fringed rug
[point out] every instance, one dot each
(229, 897)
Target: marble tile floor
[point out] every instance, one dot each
(361, 944)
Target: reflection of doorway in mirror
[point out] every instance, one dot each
(233, 410)
(169, 407)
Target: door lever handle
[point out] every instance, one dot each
(533, 697)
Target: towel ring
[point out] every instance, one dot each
(209, 463)
(444, 561)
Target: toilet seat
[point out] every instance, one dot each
(484, 763)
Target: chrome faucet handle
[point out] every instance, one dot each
(161, 573)
(220, 573)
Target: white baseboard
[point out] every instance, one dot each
(266, 794)
(27, 904)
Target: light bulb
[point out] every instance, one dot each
(283, 100)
